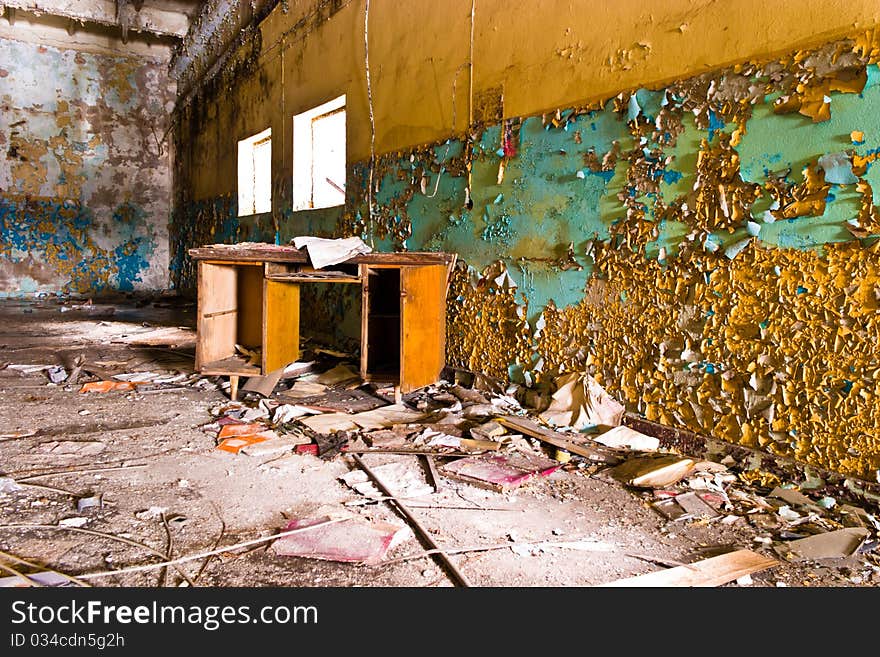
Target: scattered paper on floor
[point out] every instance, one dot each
(351, 540)
(625, 437)
(579, 402)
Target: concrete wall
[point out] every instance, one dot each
(85, 167)
(678, 199)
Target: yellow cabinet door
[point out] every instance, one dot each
(423, 325)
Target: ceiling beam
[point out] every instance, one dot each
(104, 12)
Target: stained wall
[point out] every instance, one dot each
(678, 200)
(85, 167)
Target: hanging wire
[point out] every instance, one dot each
(372, 121)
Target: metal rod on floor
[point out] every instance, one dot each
(459, 576)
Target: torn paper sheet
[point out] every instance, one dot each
(352, 540)
(401, 481)
(500, 473)
(579, 402)
(289, 412)
(629, 439)
(329, 422)
(433, 438)
(386, 416)
(339, 375)
(323, 252)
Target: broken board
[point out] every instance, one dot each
(828, 545)
(500, 473)
(524, 425)
(651, 472)
(714, 571)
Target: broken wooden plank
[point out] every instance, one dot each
(652, 472)
(714, 571)
(524, 425)
(478, 445)
(426, 452)
(263, 385)
(426, 536)
(829, 545)
(433, 475)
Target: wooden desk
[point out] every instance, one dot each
(248, 294)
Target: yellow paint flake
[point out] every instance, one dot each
(721, 200)
(486, 328)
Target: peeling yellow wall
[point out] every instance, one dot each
(540, 54)
(758, 326)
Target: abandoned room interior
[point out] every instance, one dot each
(353, 293)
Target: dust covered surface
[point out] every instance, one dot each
(164, 484)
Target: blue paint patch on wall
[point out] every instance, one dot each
(44, 240)
(715, 124)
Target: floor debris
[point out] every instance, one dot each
(624, 437)
(599, 454)
(714, 571)
(456, 450)
(500, 473)
(107, 386)
(303, 390)
(263, 385)
(236, 444)
(580, 402)
(829, 545)
(330, 422)
(402, 481)
(653, 472)
(72, 447)
(91, 502)
(353, 540)
(341, 375)
(386, 416)
(425, 535)
(35, 579)
(695, 506)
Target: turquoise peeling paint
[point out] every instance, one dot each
(132, 255)
(549, 198)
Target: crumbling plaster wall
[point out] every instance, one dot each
(85, 171)
(641, 195)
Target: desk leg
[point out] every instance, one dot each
(398, 398)
(233, 387)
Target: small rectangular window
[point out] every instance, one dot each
(255, 174)
(319, 156)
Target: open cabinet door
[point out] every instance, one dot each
(423, 325)
(280, 324)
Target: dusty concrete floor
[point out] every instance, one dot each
(146, 449)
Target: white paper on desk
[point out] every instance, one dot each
(323, 252)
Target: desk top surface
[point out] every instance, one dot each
(265, 252)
